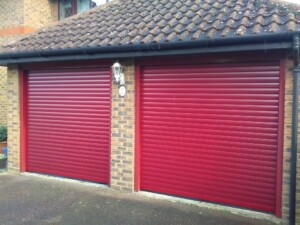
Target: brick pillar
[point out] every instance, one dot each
(13, 119)
(3, 96)
(122, 132)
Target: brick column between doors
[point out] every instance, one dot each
(122, 132)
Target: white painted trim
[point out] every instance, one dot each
(61, 179)
(233, 210)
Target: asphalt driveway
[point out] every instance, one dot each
(36, 201)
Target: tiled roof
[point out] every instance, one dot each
(134, 22)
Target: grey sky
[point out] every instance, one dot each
(99, 1)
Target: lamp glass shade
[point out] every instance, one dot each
(117, 69)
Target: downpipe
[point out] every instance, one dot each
(294, 138)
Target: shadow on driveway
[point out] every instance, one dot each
(30, 200)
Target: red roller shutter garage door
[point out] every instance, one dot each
(68, 123)
(211, 132)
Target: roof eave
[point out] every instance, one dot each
(274, 41)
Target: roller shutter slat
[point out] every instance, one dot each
(208, 168)
(211, 132)
(213, 149)
(206, 171)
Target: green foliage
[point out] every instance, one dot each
(3, 133)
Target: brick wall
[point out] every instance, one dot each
(11, 13)
(3, 95)
(3, 87)
(31, 13)
(287, 139)
(54, 10)
(39, 13)
(122, 132)
(13, 121)
(18, 17)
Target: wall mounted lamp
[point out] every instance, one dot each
(117, 70)
(118, 73)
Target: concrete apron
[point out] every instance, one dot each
(237, 211)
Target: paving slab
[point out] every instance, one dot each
(29, 200)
